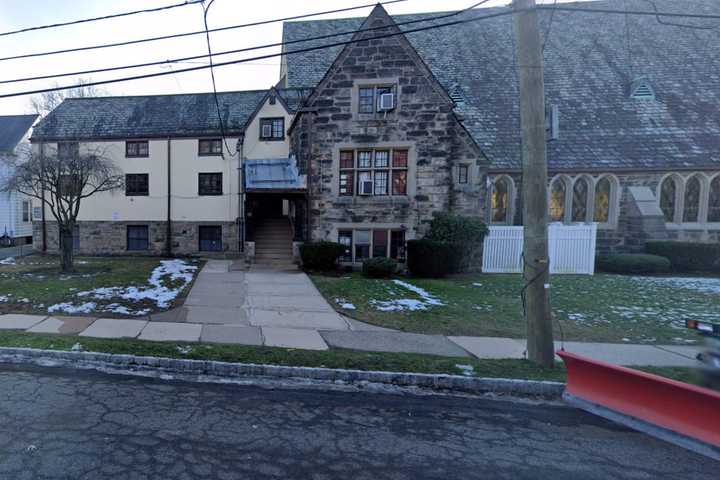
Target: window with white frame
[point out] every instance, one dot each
(361, 244)
(26, 211)
(371, 100)
(691, 199)
(373, 172)
(583, 199)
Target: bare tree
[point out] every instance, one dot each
(45, 103)
(61, 180)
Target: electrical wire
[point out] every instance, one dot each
(198, 32)
(94, 19)
(206, 9)
(239, 50)
(260, 57)
(549, 27)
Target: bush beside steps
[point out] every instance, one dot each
(632, 263)
(321, 256)
(379, 267)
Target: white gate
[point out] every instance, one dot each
(571, 249)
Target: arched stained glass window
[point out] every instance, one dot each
(668, 198)
(580, 200)
(691, 206)
(603, 190)
(557, 201)
(500, 200)
(714, 203)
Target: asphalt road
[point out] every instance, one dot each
(58, 423)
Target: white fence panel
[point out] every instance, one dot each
(571, 249)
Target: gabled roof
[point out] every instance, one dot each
(154, 116)
(588, 75)
(12, 130)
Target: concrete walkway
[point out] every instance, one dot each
(284, 309)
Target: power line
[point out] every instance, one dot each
(240, 50)
(198, 32)
(549, 28)
(631, 12)
(262, 57)
(206, 9)
(105, 17)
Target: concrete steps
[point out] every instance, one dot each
(273, 245)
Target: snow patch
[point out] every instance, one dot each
(8, 261)
(426, 300)
(70, 308)
(344, 304)
(699, 284)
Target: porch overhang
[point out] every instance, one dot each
(274, 175)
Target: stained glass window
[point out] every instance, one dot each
(668, 194)
(500, 200)
(602, 200)
(557, 201)
(714, 204)
(691, 207)
(580, 200)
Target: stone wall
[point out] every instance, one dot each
(423, 121)
(638, 217)
(110, 238)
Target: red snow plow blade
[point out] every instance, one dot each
(677, 412)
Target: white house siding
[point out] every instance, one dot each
(11, 222)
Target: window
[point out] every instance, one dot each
(272, 128)
(137, 184)
(362, 244)
(376, 172)
(557, 200)
(210, 184)
(369, 98)
(25, 211)
(691, 205)
(210, 146)
(137, 237)
(68, 150)
(463, 171)
(602, 200)
(69, 185)
(136, 148)
(500, 200)
(668, 198)
(345, 238)
(210, 238)
(580, 200)
(714, 203)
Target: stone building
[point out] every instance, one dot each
(363, 143)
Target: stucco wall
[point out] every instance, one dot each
(254, 148)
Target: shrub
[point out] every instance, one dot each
(464, 234)
(633, 263)
(321, 255)
(688, 256)
(379, 267)
(428, 258)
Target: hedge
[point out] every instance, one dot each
(632, 263)
(379, 267)
(321, 255)
(429, 258)
(687, 256)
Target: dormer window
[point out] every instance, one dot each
(376, 98)
(641, 89)
(272, 129)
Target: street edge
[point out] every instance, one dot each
(226, 370)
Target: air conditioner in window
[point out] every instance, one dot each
(387, 102)
(366, 187)
(267, 131)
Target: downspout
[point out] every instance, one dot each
(241, 190)
(168, 236)
(308, 193)
(42, 196)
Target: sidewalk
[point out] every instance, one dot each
(284, 309)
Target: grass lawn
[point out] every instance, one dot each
(107, 286)
(336, 358)
(610, 308)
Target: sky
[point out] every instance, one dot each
(15, 14)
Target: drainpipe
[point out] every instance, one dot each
(168, 236)
(241, 190)
(42, 196)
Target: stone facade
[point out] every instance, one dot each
(423, 122)
(110, 238)
(636, 217)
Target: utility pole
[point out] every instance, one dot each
(536, 265)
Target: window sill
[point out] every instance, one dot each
(209, 154)
(137, 156)
(272, 139)
(210, 194)
(137, 194)
(370, 199)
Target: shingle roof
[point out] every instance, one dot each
(588, 74)
(151, 116)
(12, 129)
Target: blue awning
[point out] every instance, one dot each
(273, 174)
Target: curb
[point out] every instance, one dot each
(228, 371)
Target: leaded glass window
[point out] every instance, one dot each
(557, 201)
(500, 200)
(668, 198)
(714, 203)
(691, 206)
(602, 200)
(580, 200)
